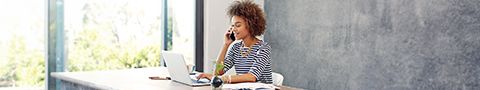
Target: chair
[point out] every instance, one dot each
(277, 79)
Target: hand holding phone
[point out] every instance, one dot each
(229, 36)
(232, 36)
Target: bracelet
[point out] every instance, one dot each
(229, 78)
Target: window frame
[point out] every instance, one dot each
(199, 39)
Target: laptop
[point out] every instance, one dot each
(178, 70)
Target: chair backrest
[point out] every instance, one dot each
(277, 79)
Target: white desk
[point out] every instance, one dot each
(129, 79)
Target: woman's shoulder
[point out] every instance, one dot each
(264, 45)
(237, 44)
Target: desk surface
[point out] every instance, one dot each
(129, 79)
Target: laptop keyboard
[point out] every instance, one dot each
(202, 80)
(199, 81)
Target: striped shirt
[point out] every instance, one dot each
(257, 61)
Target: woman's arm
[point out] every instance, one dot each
(223, 52)
(249, 77)
(221, 57)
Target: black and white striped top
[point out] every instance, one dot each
(256, 62)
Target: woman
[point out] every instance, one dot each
(250, 56)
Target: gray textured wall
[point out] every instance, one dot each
(375, 44)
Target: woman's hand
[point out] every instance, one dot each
(205, 75)
(228, 41)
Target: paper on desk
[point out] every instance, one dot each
(253, 86)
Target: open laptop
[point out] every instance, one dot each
(178, 70)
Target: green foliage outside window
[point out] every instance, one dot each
(97, 45)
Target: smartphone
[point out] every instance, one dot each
(232, 36)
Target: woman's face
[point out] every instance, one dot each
(240, 27)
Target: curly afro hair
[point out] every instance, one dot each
(252, 14)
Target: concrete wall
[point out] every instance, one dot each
(375, 44)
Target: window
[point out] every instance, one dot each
(105, 34)
(98, 35)
(181, 16)
(22, 44)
